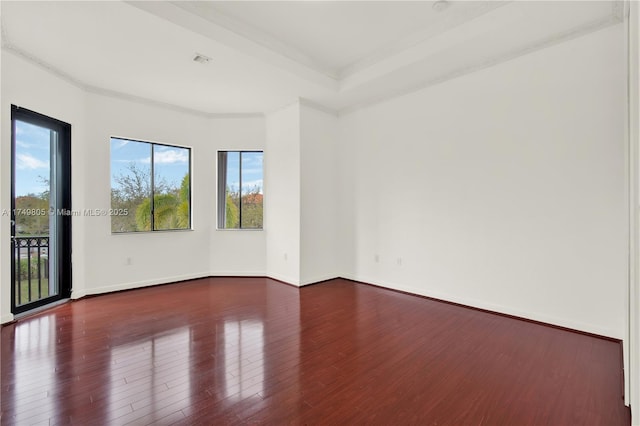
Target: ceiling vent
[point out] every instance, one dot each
(440, 5)
(201, 59)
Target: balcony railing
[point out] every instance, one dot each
(31, 269)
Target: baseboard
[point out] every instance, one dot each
(318, 279)
(285, 279)
(440, 296)
(6, 319)
(237, 274)
(490, 307)
(145, 283)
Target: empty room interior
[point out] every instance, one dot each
(319, 212)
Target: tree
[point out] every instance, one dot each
(132, 193)
(171, 209)
(250, 209)
(184, 215)
(231, 211)
(165, 214)
(32, 215)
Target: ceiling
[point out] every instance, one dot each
(267, 54)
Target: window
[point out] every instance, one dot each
(240, 190)
(150, 186)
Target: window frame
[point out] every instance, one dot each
(152, 144)
(222, 191)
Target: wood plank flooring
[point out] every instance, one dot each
(250, 351)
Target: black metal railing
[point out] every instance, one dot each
(31, 269)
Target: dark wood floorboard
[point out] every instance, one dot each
(245, 351)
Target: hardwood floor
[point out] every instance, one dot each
(255, 351)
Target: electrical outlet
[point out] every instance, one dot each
(286, 256)
(128, 261)
(399, 261)
(376, 258)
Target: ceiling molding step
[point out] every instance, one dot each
(119, 95)
(4, 39)
(145, 101)
(232, 115)
(383, 54)
(10, 48)
(150, 102)
(491, 22)
(549, 42)
(223, 36)
(251, 33)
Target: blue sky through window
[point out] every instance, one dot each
(170, 163)
(32, 158)
(252, 171)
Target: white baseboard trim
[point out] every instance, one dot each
(6, 318)
(318, 279)
(285, 279)
(142, 284)
(500, 309)
(238, 274)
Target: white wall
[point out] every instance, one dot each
(632, 368)
(319, 209)
(235, 252)
(502, 189)
(282, 194)
(99, 257)
(31, 87)
(156, 256)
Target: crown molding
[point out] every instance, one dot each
(385, 53)
(237, 40)
(252, 33)
(7, 47)
(616, 17)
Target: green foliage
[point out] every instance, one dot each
(130, 191)
(133, 193)
(23, 272)
(231, 212)
(183, 208)
(252, 209)
(32, 214)
(165, 213)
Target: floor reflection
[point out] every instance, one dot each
(35, 370)
(244, 358)
(230, 350)
(150, 374)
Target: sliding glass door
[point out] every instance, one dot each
(41, 210)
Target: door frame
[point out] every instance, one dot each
(61, 190)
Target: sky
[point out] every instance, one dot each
(32, 158)
(252, 176)
(172, 163)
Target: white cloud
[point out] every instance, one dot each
(252, 184)
(170, 156)
(26, 161)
